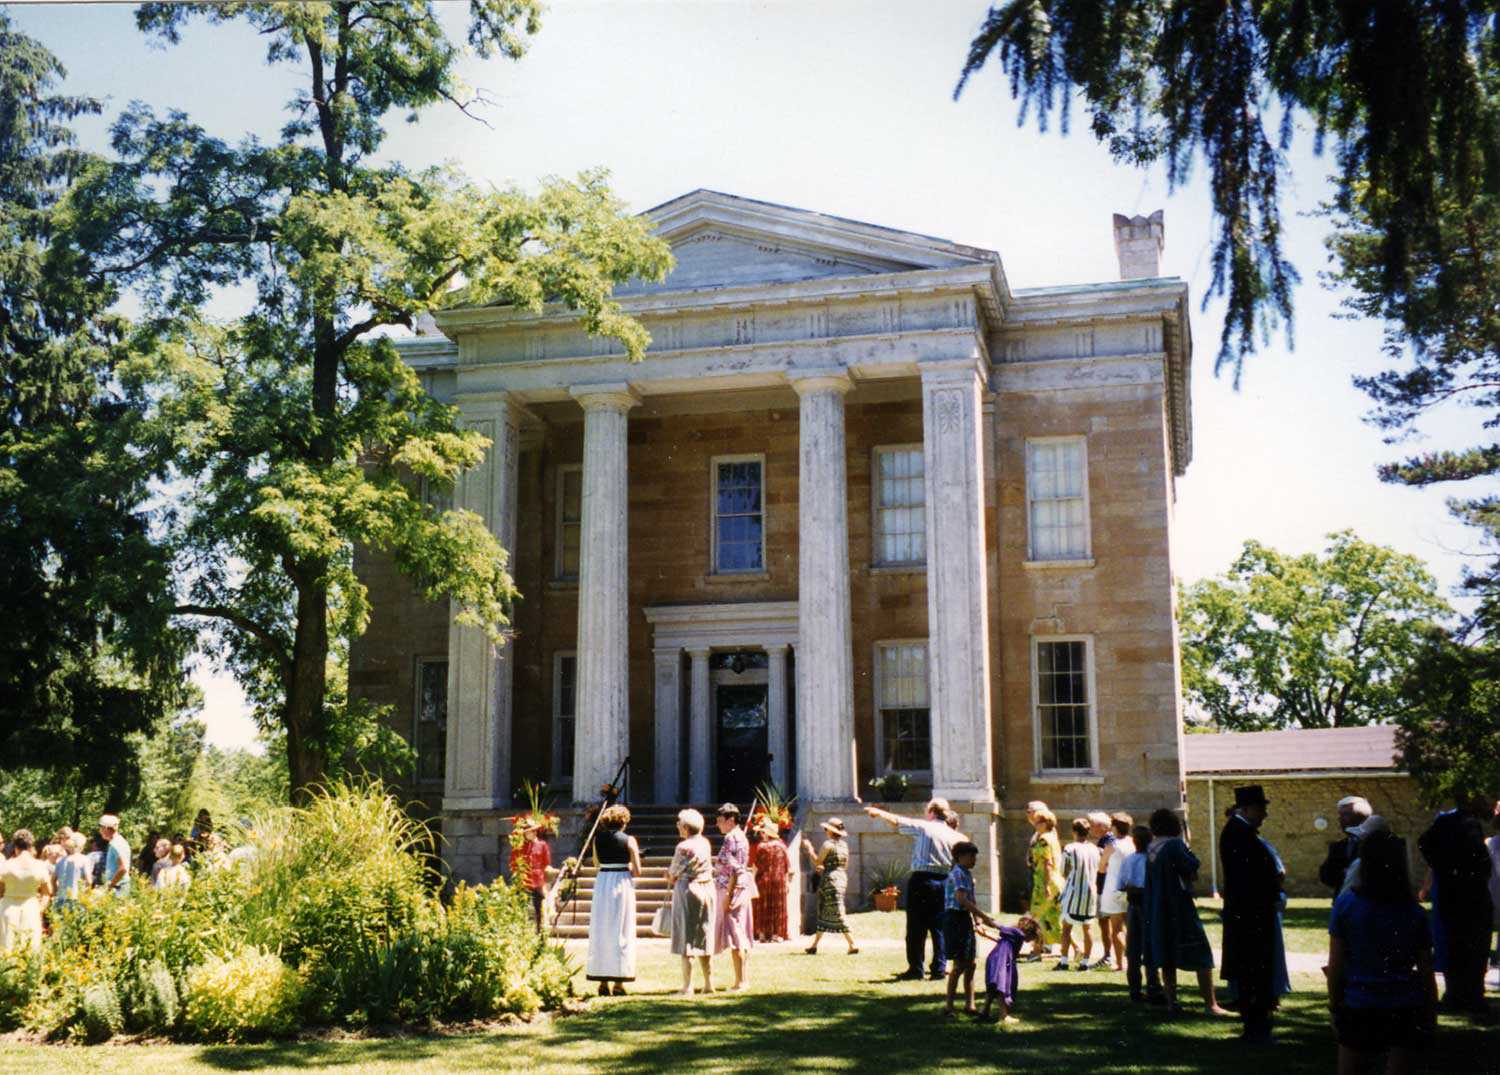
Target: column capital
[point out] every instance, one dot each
(777, 647)
(666, 653)
(951, 371)
(698, 653)
(489, 404)
(821, 379)
(615, 396)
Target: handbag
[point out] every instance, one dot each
(661, 921)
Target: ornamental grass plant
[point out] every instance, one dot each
(327, 915)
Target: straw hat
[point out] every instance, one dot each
(834, 826)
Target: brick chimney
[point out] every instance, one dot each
(1138, 243)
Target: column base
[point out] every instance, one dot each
(453, 803)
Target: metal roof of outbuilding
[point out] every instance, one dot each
(1296, 750)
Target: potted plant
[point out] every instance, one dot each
(884, 882)
(892, 786)
(538, 813)
(775, 804)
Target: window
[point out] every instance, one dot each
(739, 515)
(1065, 704)
(430, 734)
(1057, 502)
(902, 710)
(569, 520)
(564, 713)
(900, 506)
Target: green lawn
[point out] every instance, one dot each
(832, 1012)
(1304, 925)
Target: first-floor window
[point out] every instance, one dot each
(564, 712)
(1065, 704)
(430, 738)
(902, 707)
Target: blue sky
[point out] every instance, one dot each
(846, 108)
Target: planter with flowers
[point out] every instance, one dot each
(892, 787)
(538, 815)
(884, 881)
(773, 803)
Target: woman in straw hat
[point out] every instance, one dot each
(832, 862)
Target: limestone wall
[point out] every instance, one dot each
(1296, 805)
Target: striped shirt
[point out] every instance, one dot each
(932, 845)
(1080, 899)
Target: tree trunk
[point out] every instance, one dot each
(305, 718)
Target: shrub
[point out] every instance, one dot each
(18, 974)
(152, 998)
(251, 994)
(100, 1009)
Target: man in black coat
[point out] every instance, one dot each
(1455, 851)
(1353, 810)
(1252, 893)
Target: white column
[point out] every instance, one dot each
(477, 770)
(957, 588)
(668, 681)
(603, 704)
(825, 659)
(700, 731)
(777, 742)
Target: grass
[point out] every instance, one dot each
(1304, 924)
(832, 1012)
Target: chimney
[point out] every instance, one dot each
(1138, 244)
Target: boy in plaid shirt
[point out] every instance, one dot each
(959, 912)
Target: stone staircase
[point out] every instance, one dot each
(655, 829)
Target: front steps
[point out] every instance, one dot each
(655, 830)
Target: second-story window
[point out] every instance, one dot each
(900, 506)
(569, 519)
(739, 515)
(1057, 501)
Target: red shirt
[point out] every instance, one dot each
(535, 856)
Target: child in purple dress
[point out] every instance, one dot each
(1001, 978)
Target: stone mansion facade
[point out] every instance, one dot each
(863, 507)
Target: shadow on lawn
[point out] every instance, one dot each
(1088, 1024)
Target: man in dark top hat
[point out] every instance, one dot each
(1252, 886)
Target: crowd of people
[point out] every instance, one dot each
(1126, 886)
(39, 882)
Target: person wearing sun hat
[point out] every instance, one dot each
(1252, 897)
(832, 862)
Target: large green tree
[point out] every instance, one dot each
(89, 658)
(1311, 641)
(1404, 90)
(1449, 724)
(295, 429)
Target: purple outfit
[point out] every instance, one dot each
(736, 920)
(1000, 975)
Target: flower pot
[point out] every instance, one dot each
(887, 898)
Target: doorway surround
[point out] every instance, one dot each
(697, 630)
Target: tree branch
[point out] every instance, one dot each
(258, 630)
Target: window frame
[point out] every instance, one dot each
(876, 534)
(714, 570)
(1039, 771)
(1082, 440)
(558, 574)
(882, 763)
(559, 780)
(416, 717)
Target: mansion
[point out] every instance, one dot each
(863, 508)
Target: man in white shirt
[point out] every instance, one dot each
(116, 858)
(933, 840)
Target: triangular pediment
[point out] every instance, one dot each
(720, 240)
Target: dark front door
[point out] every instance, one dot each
(743, 744)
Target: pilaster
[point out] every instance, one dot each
(778, 744)
(668, 695)
(700, 732)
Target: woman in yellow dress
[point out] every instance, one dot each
(1045, 858)
(24, 880)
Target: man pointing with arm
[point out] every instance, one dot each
(931, 861)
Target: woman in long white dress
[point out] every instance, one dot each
(24, 881)
(693, 900)
(611, 960)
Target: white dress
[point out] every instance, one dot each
(612, 914)
(21, 906)
(1080, 899)
(1112, 899)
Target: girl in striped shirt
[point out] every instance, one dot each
(1080, 898)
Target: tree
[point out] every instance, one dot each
(89, 658)
(1306, 641)
(1405, 90)
(1448, 730)
(295, 430)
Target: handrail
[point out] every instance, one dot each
(618, 785)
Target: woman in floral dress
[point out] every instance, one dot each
(736, 890)
(832, 862)
(1045, 857)
(768, 857)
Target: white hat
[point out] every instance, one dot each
(1358, 803)
(109, 821)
